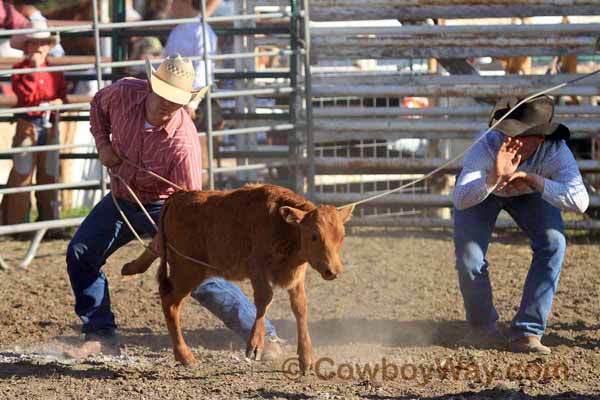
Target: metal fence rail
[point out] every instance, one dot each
(409, 10)
(366, 165)
(449, 90)
(142, 24)
(122, 64)
(472, 111)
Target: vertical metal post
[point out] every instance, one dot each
(99, 79)
(239, 46)
(293, 140)
(208, 119)
(119, 46)
(105, 42)
(310, 143)
(250, 66)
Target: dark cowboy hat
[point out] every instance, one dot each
(531, 118)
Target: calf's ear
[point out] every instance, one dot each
(346, 213)
(291, 215)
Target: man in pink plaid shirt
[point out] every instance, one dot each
(144, 122)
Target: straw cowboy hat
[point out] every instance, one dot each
(174, 79)
(529, 119)
(19, 41)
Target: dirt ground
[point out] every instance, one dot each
(387, 329)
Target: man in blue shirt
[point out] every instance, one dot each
(525, 168)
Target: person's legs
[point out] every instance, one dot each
(543, 224)
(228, 303)
(47, 170)
(15, 207)
(472, 232)
(100, 234)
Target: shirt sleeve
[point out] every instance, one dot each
(186, 167)
(187, 171)
(25, 87)
(564, 186)
(100, 115)
(471, 188)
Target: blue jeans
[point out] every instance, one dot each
(543, 224)
(101, 234)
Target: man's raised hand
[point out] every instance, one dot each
(508, 159)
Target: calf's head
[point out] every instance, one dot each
(321, 236)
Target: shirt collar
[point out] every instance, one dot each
(174, 123)
(171, 126)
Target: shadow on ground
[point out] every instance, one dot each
(324, 333)
(390, 333)
(27, 368)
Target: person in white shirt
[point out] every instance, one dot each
(523, 167)
(188, 40)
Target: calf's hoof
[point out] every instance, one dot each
(254, 353)
(306, 363)
(306, 367)
(187, 360)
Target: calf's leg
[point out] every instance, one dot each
(171, 303)
(263, 294)
(299, 307)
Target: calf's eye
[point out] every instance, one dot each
(314, 237)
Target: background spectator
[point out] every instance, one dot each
(35, 128)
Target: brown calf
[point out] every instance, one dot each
(264, 233)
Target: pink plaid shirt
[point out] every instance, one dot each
(117, 118)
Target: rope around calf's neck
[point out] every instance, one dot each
(458, 157)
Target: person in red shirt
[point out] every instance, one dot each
(35, 129)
